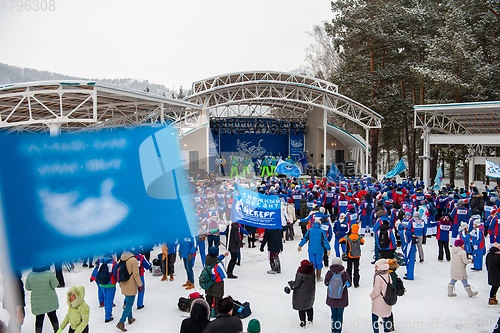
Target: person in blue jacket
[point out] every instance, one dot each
(419, 229)
(477, 242)
(318, 242)
(187, 252)
(407, 245)
(106, 291)
(327, 227)
(340, 229)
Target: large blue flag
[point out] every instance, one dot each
(334, 175)
(255, 209)
(288, 169)
(80, 194)
(400, 167)
(439, 179)
(492, 169)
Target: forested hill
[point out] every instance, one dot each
(13, 74)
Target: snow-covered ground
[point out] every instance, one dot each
(425, 307)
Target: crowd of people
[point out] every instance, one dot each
(334, 220)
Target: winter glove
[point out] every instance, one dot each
(190, 256)
(299, 248)
(261, 249)
(91, 280)
(287, 290)
(328, 253)
(141, 289)
(337, 233)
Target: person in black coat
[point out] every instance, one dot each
(493, 267)
(273, 239)
(198, 319)
(225, 321)
(235, 243)
(304, 291)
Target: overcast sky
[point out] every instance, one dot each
(167, 42)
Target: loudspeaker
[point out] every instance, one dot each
(193, 160)
(349, 168)
(339, 157)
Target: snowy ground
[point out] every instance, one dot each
(425, 307)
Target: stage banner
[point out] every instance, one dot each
(296, 146)
(75, 195)
(255, 209)
(257, 145)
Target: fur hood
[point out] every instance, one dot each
(79, 293)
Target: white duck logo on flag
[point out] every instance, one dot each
(91, 216)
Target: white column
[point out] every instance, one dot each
(426, 157)
(367, 152)
(471, 171)
(55, 129)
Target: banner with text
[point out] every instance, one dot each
(255, 209)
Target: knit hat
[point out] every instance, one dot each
(460, 202)
(290, 200)
(380, 213)
(253, 326)
(459, 242)
(384, 267)
(380, 262)
(416, 214)
(336, 261)
(322, 209)
(213, 251)
(355, 228)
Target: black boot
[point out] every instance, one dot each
(273, 268)
(277, 266)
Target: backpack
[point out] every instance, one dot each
(122, 273)
(433, 209)
(336, 287)
(103, 274)
(354, 247)
(398, 283)
(391, 296)
(205, 280)
(383, 239)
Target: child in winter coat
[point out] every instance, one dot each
(337, 305)
(304, 291)
(78, 312)
(459, 262)
(380, 309)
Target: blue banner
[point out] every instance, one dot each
(285, 168)
(334, 175)
(257, 145)
(400, 167)
(75, 195)
(296, 146)
(255, 209)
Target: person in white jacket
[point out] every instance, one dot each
(459, 262)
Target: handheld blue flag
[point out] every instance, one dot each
(400, 167)
(492, 169)
(81, 194)
(334, 175)
(255, 209)
(439, 179)
(288, 169)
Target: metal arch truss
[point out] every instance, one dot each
(264, 94)
(86, 106)
(434, 121)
